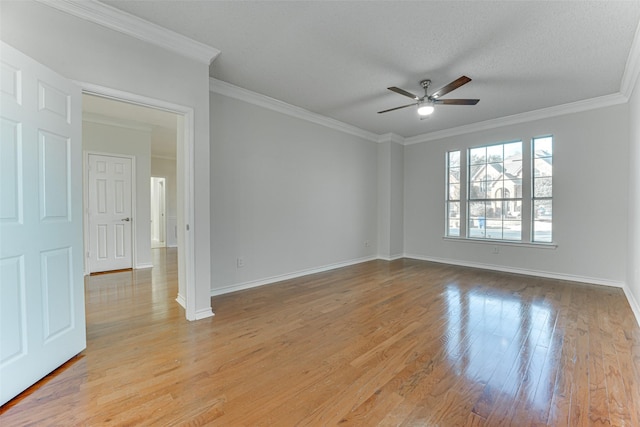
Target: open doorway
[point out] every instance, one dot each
(147, 139)
(179, 152)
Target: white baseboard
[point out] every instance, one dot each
(204, 313)
(635, 307)
(525, 271)
(144, 265)
(200, 314)
(180, 300)
(390, 257)
(279, 278)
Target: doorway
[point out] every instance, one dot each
(110, 191)
(184, 174)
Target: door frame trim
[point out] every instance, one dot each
(188, 298)
(85, 206)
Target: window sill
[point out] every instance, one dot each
(501, 242)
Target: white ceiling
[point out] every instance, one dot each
(336, 58)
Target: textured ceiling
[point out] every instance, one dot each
(336, 58)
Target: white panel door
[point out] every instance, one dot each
(42, 323)
(110, 218)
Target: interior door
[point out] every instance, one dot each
(42, 321)
(110, 213)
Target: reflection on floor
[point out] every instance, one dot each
(392, 343)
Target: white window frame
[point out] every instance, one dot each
(526, 215)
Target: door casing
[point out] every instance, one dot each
(186, 279)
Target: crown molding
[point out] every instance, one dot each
(125, 23)
(111, 121)
(632, 68)
(544, 113)
(391, 137)
(227, 89)
(232, 91)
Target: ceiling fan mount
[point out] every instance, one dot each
(425, 104)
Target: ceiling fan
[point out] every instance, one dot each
(427, 102)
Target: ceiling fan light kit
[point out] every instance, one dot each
(427, 102)
(425, 109)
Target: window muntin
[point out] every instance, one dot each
(542, 189)
(453, 194)
(495, 192)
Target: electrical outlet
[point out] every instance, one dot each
(496, 250)
(240, 262)
(366, 243)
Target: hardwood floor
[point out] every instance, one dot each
(381, 343)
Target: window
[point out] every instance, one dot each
(542, 189)
(484, 192)
(453, 193)
(495, 192)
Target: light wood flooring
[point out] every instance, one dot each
(380, 343)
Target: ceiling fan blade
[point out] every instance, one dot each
(451, 86)
(403, 92)
(397, 108)
(456, 101)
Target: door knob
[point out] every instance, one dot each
(126, 219)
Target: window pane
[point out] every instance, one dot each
(542, 210)
(494, 153)
(542, 231)
(494, 229)
(494, 171)
(477, 155)
(454, 192)
(513, 169)
(453, 219)
(542, 224)
(454, 175)
(512, 209)
(513, 151)
(513, 188)
(512, 230)
(477, 190)
(454, 159)
(543, 167)
(543, 147)
(494, 190)
(477, 172)
(477, 219)
(542, 187)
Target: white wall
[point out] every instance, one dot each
(287, 195)
(166, 168)
(90, 53)
(591, 175)
(633, 252)
(103, 138)
(390, 199)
